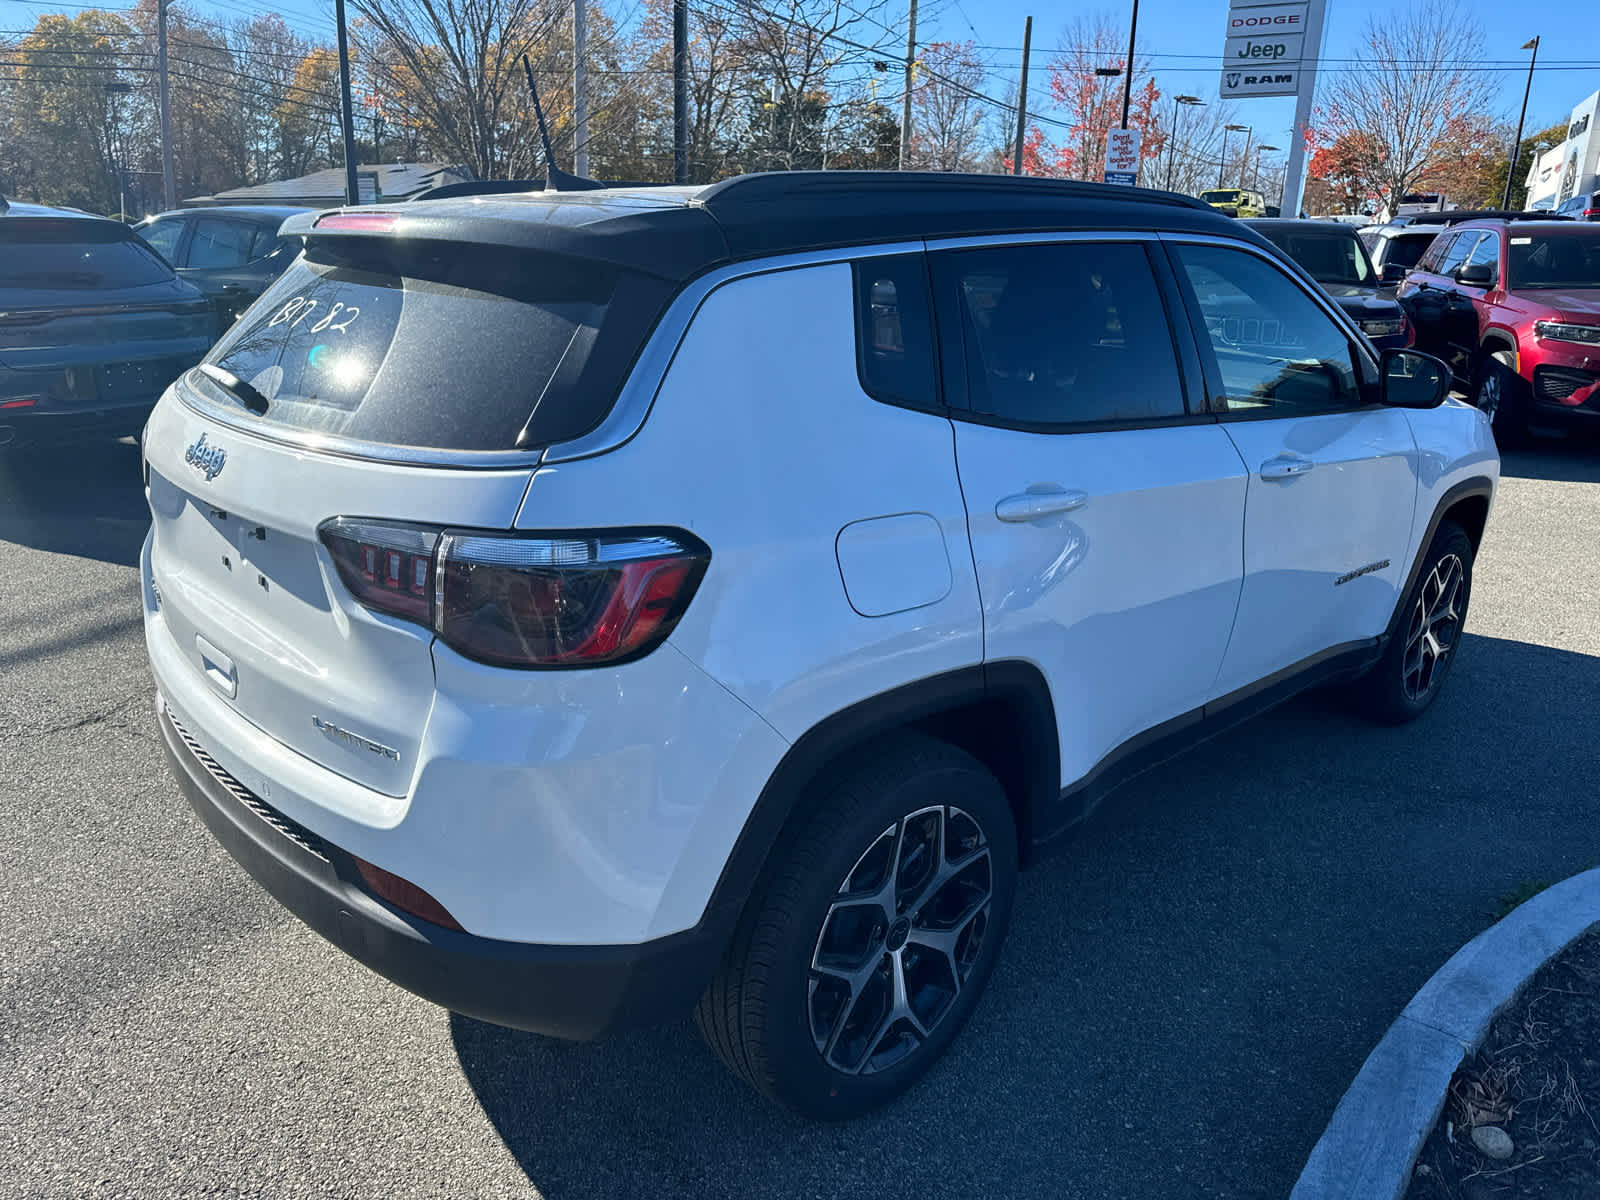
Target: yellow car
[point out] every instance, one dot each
(1236, 202)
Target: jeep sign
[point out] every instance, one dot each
(1265, 42)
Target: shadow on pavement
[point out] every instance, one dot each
(1189, 985)
(1569, 460)
(85, 500)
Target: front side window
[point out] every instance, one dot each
(1460, 249)
(1276, 351)
(1485, 254)
(219, 245)
(1072, 334)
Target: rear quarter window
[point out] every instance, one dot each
(894, 331)
(440, 348)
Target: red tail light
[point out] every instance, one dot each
(361, 222)
(547, 601)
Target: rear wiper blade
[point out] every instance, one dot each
(244, 393)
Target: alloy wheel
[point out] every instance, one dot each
(1489, 389)
(899, 941)
(1435, 624)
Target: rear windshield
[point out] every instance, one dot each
(1407, 249)
(1219, 197)
(69, 252)
(459, 350)
(1327, 257)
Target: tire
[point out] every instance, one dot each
(1414, 666)
(804, 1006)
(1502, 395)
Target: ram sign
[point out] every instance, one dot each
(1263, 50)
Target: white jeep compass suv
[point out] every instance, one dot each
(585, 607)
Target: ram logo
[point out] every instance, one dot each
(1233, 79)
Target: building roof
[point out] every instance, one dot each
(326, 189)
(677, 232)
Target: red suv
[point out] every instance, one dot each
(1514, 308)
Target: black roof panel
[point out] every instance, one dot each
(678, 232)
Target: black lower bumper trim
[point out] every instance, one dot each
(49, 427)
(573, 992)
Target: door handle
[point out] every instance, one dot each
(1285, 466)
(1029, 506)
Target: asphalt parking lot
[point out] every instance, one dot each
(1189, 986)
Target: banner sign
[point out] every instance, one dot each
(1122, 156)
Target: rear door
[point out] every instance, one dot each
(1106, 516)
(218, 261)
(396, 386)
(1332, 476)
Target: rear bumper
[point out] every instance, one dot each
(44, 426)
(573, 992)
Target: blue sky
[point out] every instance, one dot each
(1182, 37)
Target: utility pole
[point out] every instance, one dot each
(911, 69)
(580, 87)
(1516, 146)
(1022, 96)
(1127, 76)
(352, 185)
(169, 182)
(680, 91)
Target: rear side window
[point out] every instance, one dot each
(457, 348)
(219, 245)
(72, 253)
(894, 331)
(1065, 335)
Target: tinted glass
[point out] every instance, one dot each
(1436, 251)
(373, 350)
(163, 237)
(1407, 250)
(894, 331)
(1220, 196)
(218, 245)
(75, 253)
(1457, 252)
(1065, 334)
(1486, 253)
(1561, 260)
(1274, 346)
(1328, 256)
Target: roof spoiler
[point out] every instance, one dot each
(555, 179)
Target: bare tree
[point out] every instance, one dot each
(463, 59)
(1413, 90)
(947, 117)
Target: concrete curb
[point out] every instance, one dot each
(1376, 1133)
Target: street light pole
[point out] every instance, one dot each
(1172, 138)
(1223, 163)
(1255, 175)
(911, 77)
(169, 186)
(1127, 76)
(1516, 146)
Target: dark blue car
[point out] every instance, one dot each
(93, 326)
(1332, 254)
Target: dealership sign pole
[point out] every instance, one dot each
(1271, 49)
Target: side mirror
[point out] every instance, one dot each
(1394, 273)
(1412, 379)
(1475, 274)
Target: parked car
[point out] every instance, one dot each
(93, 325)
(230, 252)
(585, 607)
(1236, 202)
(1585, 206)
(1333, 255)
(1514, 308)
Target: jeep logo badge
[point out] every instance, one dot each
(209, 459)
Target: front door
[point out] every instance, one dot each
(1332, 476)
(1105, 517)
(1434, 298)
